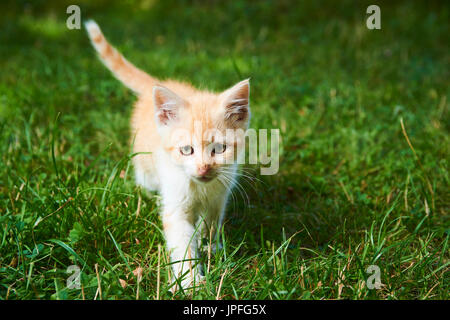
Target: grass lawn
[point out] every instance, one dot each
(363, 180)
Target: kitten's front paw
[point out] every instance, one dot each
(216, 247)
(188, 283)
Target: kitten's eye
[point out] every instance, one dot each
(219, 148)
(186, 150)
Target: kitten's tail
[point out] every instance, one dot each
(135, 79)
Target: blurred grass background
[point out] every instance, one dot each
(350, 191)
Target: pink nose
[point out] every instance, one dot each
(203, 170)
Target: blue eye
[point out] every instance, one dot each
(186, 150)
(219, 148)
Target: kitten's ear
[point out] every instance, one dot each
(236, 102)
(167, 104)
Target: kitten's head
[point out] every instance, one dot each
(197, 130)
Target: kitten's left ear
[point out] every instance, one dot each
(236, 102)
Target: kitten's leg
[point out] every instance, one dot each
(213, 224)
(181, 239)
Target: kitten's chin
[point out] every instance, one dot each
(203, 180)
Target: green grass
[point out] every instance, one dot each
(350, 192)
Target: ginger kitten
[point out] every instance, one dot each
(188, 157)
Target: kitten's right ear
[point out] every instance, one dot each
(167, 104)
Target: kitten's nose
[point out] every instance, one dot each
(203, 170)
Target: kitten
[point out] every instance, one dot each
(185, 153)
